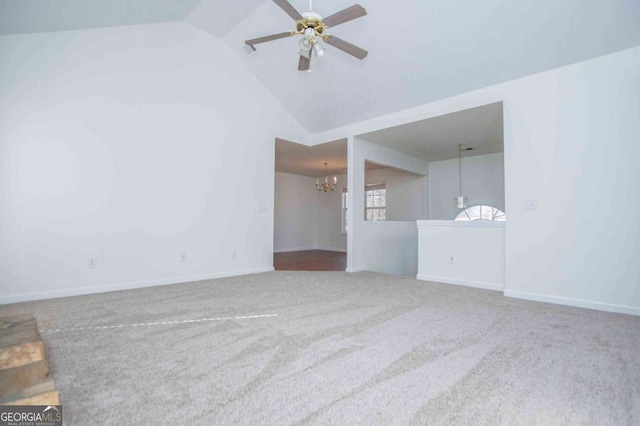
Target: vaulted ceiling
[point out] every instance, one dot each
(37, 16)
(419, 50)
(424, 50)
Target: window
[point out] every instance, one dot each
(345, 200)
(481, 212)
(375, 205)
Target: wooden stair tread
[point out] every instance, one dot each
(44, 390)
(17, 321)
(14, 337)
(14, 379)
(19, 355)
(48, 398)
(24, 371)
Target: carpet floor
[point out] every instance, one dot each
(336, 348)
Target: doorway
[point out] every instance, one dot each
(309, 229)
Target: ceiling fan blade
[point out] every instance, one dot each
(288, 9)
(348, 14)
(268, 38)
(345, 46)
(304, 64)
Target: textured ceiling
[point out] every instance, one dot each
(419, 50)
(437, 138)
(36, 16)
(424, 50)
(218, 17)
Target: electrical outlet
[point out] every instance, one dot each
(183, 257)
(92, 262)
(262, 208)
(451, 260)
(530, 205)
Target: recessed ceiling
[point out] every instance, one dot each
(437, 138)
(309, 161)
(305, 160)
(433, 139)
(36, 16)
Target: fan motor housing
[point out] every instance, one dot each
(310, 20)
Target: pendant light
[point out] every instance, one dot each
(460, 202)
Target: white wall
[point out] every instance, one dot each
(571, 145)
(463, 253)
(405, 193)
(329, 234)
(132, 145)
(295, 212)
(482, 183)
(390, 247)
(306, 219)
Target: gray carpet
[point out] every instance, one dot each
(344, 348)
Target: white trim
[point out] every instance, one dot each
(578, 303)
(466, 283)
(52, 294)
(310, 248)
(463, 223)
(375, 186)
(356, 269)
(341, 250)
(284, 250)
(409, 223)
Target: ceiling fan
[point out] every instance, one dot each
(312, 27)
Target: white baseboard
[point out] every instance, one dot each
(52, 294)
(578, 303)
(332, 249)
(284, 250)
(466, 283)
(309, 248)
(355, 269)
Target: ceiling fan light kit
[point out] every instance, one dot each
(318, 50)
(313, 28)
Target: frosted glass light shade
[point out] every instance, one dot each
(460, 202)
(318, 50)
(305, 53)
(305, 43)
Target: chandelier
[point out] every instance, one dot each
(326, 186)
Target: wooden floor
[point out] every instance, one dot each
(310, 260)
